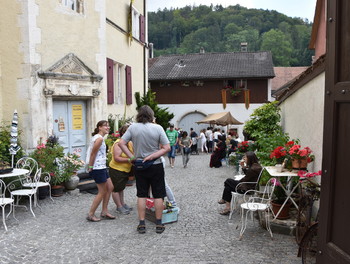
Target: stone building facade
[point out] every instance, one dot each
(54, 67)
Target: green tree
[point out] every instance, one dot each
(162, 115)
(279, 45)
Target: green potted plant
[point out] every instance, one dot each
(48, 155)
(279, 197)
(69, 166)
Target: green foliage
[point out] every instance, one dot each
(263, 121)
(162, 115)
(267, 144)
(48, 155)
(217, 29)
(5, 137)
(280, 46)
(264, 126)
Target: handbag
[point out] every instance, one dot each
(142, 165)
(187, 150)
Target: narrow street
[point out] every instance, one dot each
(60, 233)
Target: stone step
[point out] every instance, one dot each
(87, 185)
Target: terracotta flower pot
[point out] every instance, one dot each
(299, 163)
(57, 190)
(284, 214)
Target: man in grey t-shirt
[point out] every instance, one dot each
(150, 142)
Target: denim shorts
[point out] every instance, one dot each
(171, 153)
(100, 176)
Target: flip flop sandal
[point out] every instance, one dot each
(93, 218)
(107, 217)
(225, 212)
(141, 229)
(221, 201)
(160, 229)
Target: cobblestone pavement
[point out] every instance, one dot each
(60, 233)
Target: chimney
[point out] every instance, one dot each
(244, 46)
(201, 50)
(150, 45)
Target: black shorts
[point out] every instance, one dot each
(119, 179)
(151, 177)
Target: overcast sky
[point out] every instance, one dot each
(292, 8)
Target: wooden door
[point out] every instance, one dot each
(334, 231)
(69, 126)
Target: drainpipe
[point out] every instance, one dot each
(145, 58)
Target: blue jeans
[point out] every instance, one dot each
(171, 153)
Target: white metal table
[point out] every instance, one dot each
(289, 190)
(15, 172)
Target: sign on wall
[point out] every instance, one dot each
(77, 117)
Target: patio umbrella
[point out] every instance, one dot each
(14, 148)
(221, 119)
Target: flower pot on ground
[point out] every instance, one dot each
(57, 190)
(43, 192)
(284, 214)
(72, 182)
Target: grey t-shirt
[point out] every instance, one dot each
(146, 139)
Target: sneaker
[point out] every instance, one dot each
(123, 211)
(127, 207)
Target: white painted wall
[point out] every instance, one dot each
(238, 111)
(302, 117)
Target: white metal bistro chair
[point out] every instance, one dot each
(4, 201)
(31, 165)
(237, 196)
(27, 163)
(16, 189)
(260, 201)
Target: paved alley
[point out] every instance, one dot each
(60, 233)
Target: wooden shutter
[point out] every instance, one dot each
(334, 230)
(110, 81)
(128, 85)
(142, 28)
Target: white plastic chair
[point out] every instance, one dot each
(31, 165)
(4, 201)
(30, 192)
(260, 201)
(237, 196)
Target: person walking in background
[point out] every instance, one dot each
(169, 193)
(185, 144)
(203, 141)
(209, 135)
(194, 138)
(119, 171)
(150, 143)
(96, 160)
(172, 135)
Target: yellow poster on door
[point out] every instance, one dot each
(77, 117)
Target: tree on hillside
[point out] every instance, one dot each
(217, 29)
(279, 45)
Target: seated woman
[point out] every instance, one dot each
(251, 170)
(219, 152)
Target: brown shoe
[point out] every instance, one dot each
(221, 201)
(225, 212)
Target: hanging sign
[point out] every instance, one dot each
(77, 117)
